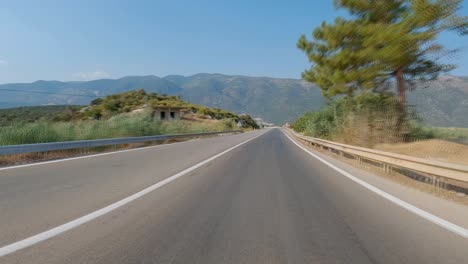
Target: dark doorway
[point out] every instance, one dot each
(172, 115)
(163, 115)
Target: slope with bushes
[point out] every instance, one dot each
(369, 119)
(139, 99)
(119, 115)
(30, 114)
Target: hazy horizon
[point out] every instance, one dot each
(190, 75)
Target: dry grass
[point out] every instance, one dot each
(200, 119)
(123, 125)
(433, 149)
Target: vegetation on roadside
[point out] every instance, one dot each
(381, 43)
(369, 61)
(120, 115)
(360, 120)
(103, 108)
(369, 119)
(30, 114)
(141, 124)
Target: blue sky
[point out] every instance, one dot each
(83, 40)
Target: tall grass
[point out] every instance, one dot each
(124, 125)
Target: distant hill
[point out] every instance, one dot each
(274, 100)
(130, 102)
(442, 103)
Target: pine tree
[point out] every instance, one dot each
(384, 42)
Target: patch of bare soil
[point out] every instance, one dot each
(434, 149)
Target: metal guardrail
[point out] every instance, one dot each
(44, 147)
(390, 160)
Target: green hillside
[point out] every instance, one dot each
(119, 115)
(442, 103)
(104, 108)
(35, 113)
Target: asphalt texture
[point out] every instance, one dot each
(266, 201)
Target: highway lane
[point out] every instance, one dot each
(266, 201)
(56, 193)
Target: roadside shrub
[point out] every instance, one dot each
(123, 125)
(365, 119)
(419, 132)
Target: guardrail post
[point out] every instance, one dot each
(429, 179)
(444, 183)
(387, 168)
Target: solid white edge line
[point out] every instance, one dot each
(90, 156)
(426, 215)
(27, 242)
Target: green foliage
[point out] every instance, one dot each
(216, 113)
(123, 125)
(96, 101)
(369, 119)
(383, 41)
(128, 101)
(108, 118)
(27, 133)
(419, 132)
(117, 103)
(247, 122)
(35, 113)
(318, 124)
(363, 119)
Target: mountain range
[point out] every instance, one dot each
(443, 102)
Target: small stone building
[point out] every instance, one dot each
(168, 113)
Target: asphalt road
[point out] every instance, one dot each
(266, 201)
